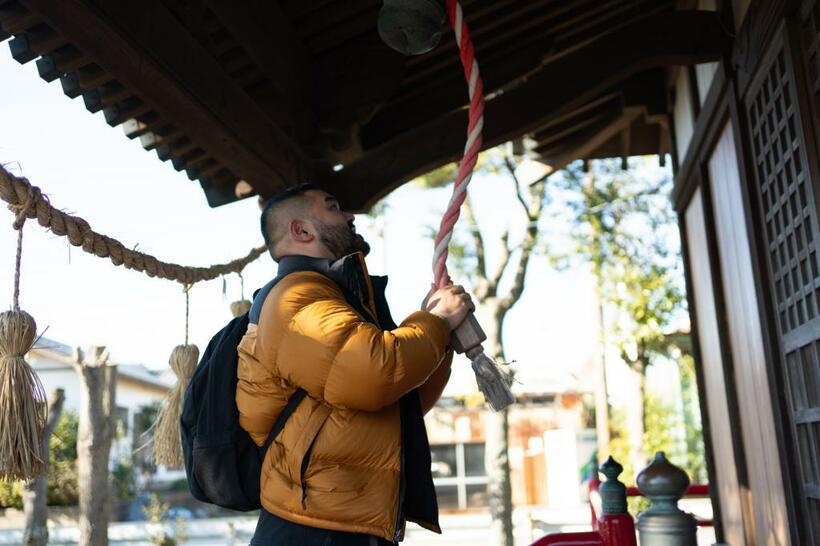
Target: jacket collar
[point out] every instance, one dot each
(350, 273)
(346, 271)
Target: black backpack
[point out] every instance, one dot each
(222, 463)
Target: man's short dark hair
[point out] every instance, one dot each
(281, 197)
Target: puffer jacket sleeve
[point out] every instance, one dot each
(335, 355)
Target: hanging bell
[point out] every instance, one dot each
(411, 27)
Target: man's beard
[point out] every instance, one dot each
(341, 240)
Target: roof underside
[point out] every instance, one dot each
(250, 97)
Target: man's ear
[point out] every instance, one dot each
(300, 231)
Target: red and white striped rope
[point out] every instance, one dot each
(471, 148)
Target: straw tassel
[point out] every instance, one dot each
(240, 307)
(23, 409)
(23, 406)
(167, 441)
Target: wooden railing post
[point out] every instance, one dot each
(663, 523)
(614, 524)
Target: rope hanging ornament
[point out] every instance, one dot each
(167, 441)
(240, 306)
(23, 406)
(22, 399)
(19, 192)
(493, 382)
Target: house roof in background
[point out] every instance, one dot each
(134, 372)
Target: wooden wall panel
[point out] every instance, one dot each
(683, 113)
(712, 365)
(770, 520)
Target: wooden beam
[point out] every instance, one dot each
(265, 33)
(644, 139)
(146, 49)
(589, 115)
(104, 96)
(34, 42)
(15, 19)
(123, 111)
(220, 190)
(680, 38)
(61, 61)
(502, 62)
(499, 69)
(136, 127)
(582, 145)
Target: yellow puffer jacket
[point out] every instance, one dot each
(337, 462)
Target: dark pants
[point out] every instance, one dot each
(275, 531)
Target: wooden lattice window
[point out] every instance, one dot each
(784, 181)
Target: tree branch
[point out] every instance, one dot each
(55, 408)
(506, 253)
(511, 170)
(527, 246)
(478, 241)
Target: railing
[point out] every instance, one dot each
(694, 491)
(662, 524)
(591, 538)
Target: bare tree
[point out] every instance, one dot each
(35, 491)
(98, 393)
(493, 303)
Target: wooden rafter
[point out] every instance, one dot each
(142, 45)
(582, 144)
(504, 61)
(286, 63)
(677, 38)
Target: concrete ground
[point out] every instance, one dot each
(458, 530)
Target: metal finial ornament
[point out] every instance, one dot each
(663, 523)
(411, 27)
(613, 492)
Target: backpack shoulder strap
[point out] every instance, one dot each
(293, 402)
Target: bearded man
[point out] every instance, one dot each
(351, 464)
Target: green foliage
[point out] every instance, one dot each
(625, 228)
(661, 423)
(62, 473)
(123, 480)
(63, 489)
(619, 443)
(11, 494)
(144, 418)
(695, 463)
(156, 512)
(63, 442)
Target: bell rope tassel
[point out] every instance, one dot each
(240, 307)
(167, 440)
(23, 407)
(493, 382)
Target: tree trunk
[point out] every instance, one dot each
(35, 491)
(638, 454)
(497, 433)
(602, 433)
(499, 489)
(98, 390)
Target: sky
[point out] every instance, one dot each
(92, 170)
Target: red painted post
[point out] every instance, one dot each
(614, 524)
(617, 530)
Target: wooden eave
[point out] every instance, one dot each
(251, 97)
